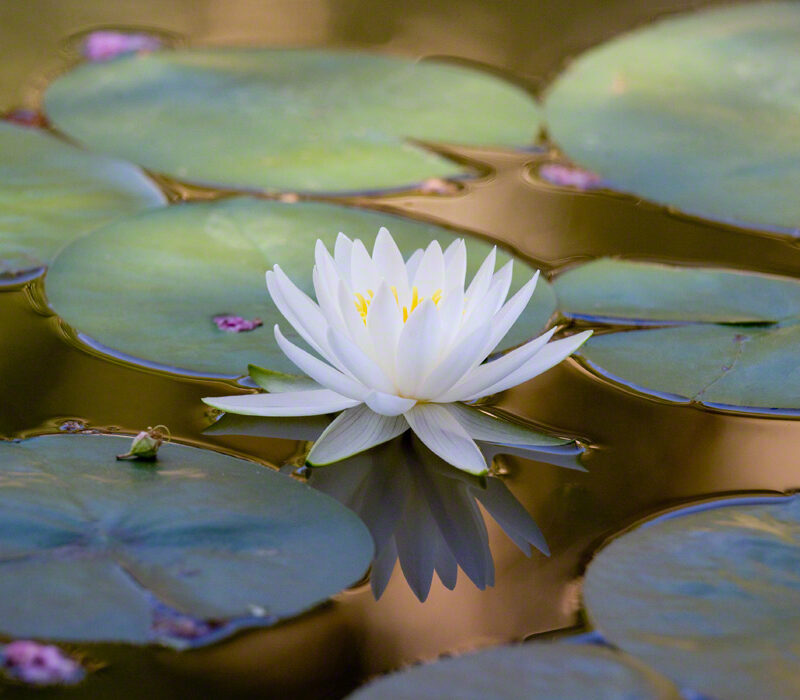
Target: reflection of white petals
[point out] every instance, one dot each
(355, 430)
(296, 403)
(403, 336)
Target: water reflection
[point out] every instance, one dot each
(420, 510)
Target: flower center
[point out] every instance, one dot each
(362, 303)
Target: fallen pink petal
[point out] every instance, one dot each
(236, 324)
(568, 176)
(105, 45)
(39, 664)
(25, 117)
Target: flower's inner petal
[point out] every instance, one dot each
(357, 363)
(412, 264)
(389, 263)
(362, 270)
(342, 253)
(462, 358)
(384, 324)
(416, 348)
(430, 274)
(455, 266)
(388, 404)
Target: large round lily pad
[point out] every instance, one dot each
(92, 549)
(150, 286)
(710, 597)
(308, 120)
(727, 339)
(552, 671)
(701, 112)
(51, 192)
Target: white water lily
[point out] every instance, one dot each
(401, 342)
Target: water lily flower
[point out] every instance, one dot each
(402, 343)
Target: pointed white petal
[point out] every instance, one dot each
(444, 436)
(388, 404)
(501, 283)
(353, 323)
(384, 325)
(389, 262)
(358, 363)
(510, 312)
(342, 255)
(480, 283)
(362, 269)
(289, 314)
(492, 372)
(455, 365)
(483, 312)
(430, 273)
(328, 304)
(319, 371)
(412, 264)
(416, 347)
(353, 431)
(455, 265)
(547, 357)
(451, 311)
(294, 403)
(486, 428)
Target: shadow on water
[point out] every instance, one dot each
(643, 454)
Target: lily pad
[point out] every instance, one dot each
(709, 596)
(727, 339)
(290, 119)
(150, 285)
(700, 112)
(92, 549)
(556, 671)
(52, 192)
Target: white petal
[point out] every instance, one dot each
(492, 372)
(362, 269)
(295, 403)
(430, 274)
(354, 431)
(444, 436)
(455, 365)
(501, 283)
(455, 265)
(328, 303)
(416, 347)
(289, 314)
(486, 428)
(548, 357)
(412, 264)
(384, 325)
(510, 312)
(342, 254)
(358, 363)
(319, 371)
(451, 311)
(353, 323)
(389, 262)
(388, 404)
(480, 283)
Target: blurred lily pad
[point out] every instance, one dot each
(708, 595)
(290, 119)
(700, 112)
(149, 286)
(726, 339)
(52, 192)
(555, 671)
(92, 549)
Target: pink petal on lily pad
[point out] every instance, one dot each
(104, 45)
(39, 664)
(236, 324)
(568, 176)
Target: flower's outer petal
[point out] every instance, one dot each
(444, 436)
(384, 325)
(342, 255)
(362, 269)
(291, 403)
(492, 372)
(358, 363)
(547, 357)
(353, 431)
(321, 372)
(388, 404)
(278, 382)
(484, 312)
(389, 261)
(501, 283)
(480, 283)
(451, 311)
(327, 303)
(430, 273)
(463, 357)
(510, 312)
(417, 347)
(415, 546)
(353, 323)
(486, 428)
(412, 264)
(445, 563)
(455, 265)
(275, 291)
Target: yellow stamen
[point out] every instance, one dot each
(362, 304)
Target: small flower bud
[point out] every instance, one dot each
(145, 445)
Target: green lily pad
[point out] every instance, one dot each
(291, 119)
(700, 112)
(52, 192)
(150, 285)
(92, 549)
(556, 671)
(728, 339)
(708, 595)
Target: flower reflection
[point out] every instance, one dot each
(419, 509)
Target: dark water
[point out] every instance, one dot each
(644, 454)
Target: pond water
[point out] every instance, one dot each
(642, 454)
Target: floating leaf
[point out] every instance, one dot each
(699, 112)
(95, 549)
(708, 595)
(150, 286)
(735, 345)
(308, 120)
(555, 670)
(52, 192)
